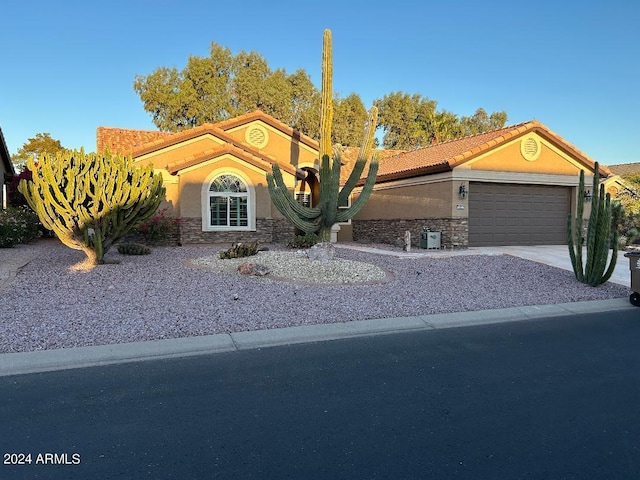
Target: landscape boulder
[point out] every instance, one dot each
(251, 268)
(323, 252)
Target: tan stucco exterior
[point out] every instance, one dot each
(409, 201)
(412, 186)
(550, 159)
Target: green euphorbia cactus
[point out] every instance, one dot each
(91, 201)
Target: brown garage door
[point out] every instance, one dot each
(509, 214)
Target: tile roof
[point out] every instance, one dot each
(123, 140)
(350, 155)
(625, 168)
(269, 120)
(254, 158)
(445, 156)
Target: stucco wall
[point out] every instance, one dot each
(509, 158)
(192, 180)
(168, 155)
(433, 200)
(279, 146)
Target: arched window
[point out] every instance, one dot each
(228, 203)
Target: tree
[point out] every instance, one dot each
(349, 120)
(481, 122)
(41, 144)
(412, 121)
(224, 85)
(406, 120)
(91, 201)
(321, 217)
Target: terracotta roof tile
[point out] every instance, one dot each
(123, 140)
(259, 161)
(447, 155)
(269, 120)
(625, 168)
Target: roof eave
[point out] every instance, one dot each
(6, 159)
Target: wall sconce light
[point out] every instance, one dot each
(587, 195)
(462, 191)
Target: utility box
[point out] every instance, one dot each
(633, 257)
(429, 239)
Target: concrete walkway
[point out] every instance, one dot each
(11, 260)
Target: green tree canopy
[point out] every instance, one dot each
(224, 85)
(412, 121)
(42, 143)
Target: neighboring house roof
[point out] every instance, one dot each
(6, 159)
(444, 156)
(123, 140)
(625, 168)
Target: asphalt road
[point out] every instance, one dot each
(544, 399)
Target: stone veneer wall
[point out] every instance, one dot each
(267, 231)
(283, 231)
(454, 231)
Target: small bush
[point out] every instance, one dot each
(304, 241)
(133, 249)
(240, 250)
(18, 225)
(159, 227)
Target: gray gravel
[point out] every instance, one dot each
(164, 295)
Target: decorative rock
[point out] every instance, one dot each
(251, 268)
(323, 252)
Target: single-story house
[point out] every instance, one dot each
(7, 171)
(515, 185)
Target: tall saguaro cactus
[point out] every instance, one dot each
(599, 236)
(91, 201)
(321, 217)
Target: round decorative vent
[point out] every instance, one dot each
(530, 148)
(257, 136)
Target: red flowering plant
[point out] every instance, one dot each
(158, 228)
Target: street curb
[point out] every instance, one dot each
(81, 357)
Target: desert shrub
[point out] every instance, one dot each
(17, 225)
(240, 250)
(304, 241)
(159, 228)
(133, 249)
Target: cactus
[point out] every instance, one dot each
(320, 218)
(133, 249)
(91, 201)
(240, 250)
(600, 236)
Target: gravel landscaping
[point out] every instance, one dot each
(186, 291)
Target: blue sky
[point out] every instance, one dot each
(68, 67)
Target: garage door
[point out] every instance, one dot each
(508, 214)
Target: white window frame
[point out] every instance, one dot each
(207, 194)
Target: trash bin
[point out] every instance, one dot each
(633, 257)
(429, 239)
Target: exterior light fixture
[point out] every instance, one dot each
(462, 191)
(587, 195)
